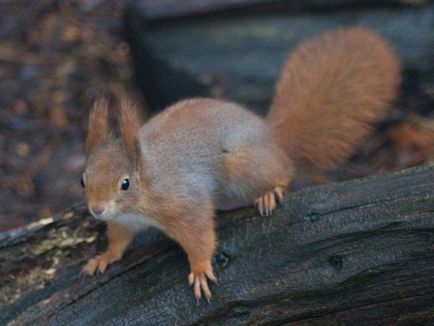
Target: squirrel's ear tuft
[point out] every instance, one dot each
(98, 128)
(130, 122)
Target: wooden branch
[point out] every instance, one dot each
(358, 252)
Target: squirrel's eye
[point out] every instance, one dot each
(125, 184)
(82, 182)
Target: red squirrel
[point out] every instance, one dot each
(203, 154)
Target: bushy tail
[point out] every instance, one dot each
(332, 89)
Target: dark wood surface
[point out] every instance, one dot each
(359, 252)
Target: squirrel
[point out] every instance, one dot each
(200, 155)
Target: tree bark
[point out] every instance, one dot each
(358, 252)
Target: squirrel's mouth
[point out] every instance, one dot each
(102, 210)
(100, 214)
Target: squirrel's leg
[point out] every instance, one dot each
(263, 172)
(198, 241)
(118, 239)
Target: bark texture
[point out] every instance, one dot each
(358, 252)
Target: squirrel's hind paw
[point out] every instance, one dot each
(267, 202)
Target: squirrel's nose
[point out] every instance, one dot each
(97, 211)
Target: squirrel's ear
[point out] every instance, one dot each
(130, 123)
(98, 129)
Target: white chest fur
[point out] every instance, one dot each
(135, 223)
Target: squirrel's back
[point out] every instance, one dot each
(191, 138)
(332, 89)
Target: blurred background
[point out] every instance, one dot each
(56, 56)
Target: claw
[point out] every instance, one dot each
(191, 279)
(267, 203)
(279, 193)
(199, 282)
(211, 276)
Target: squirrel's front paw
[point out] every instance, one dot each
(199, 281)
(99, 263)
(267, 202)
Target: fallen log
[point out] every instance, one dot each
(357, 252)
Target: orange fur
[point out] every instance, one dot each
(190, 223)
(202, 154)
(118, 239)
(409, 136)
(130, 124)
(198, 239)
(260, 170)
(332, 88)
(98, 130)
(268, 166)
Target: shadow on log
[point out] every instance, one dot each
(358, 252)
